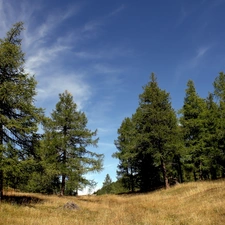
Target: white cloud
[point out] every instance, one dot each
(43, 56)
(118, 10)
(54, 20)
(53, 84)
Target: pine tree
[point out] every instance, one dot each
(147, 142)
(18, 115)
(67, 140)
(126, 154)
(157, 126)
(44, 177)
(107, 184)
(192, 122)
(211, 138)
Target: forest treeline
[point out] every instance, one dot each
(54, 160)
(155, 146)
(158, 147)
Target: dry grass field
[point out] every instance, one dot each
(191, 203)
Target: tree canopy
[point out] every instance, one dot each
(68, 138)
(19, 117)
(154, 146)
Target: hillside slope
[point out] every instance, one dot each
(191, 203)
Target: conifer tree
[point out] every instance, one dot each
(18, 115)
(148, 141)
(145, 170)
(107, 184)
(67, 140)
(212, 138)
(158, 126)
(126, 146)
(192, 121)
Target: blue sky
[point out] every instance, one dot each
(103, 52)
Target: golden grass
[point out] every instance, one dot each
(191, 203)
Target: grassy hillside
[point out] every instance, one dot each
(191, 203)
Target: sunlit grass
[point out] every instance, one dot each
(191, 203)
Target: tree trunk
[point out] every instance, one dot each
(63, 184)
(165, 177)
(180, 171)
(1, 185)
(195, 177)
(200, 171)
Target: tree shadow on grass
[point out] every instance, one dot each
(21, 200)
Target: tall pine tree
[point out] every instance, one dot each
(67, 139)
(211, 137)
(158, 126)
(147, 143)
(193, 125)
(18, 115)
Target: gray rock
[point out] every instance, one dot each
(71, 206)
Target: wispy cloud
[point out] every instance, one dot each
(92, 25)
(96, 25)
(199, 55)
(202, 51)
(42, 57)
(50, 86)
(191, 63)
(118, 10)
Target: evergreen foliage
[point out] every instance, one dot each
(192, 122)
(212, 138)
(127, 154)
(107, 184)
(153, 147)
(66, 140)
(158, 124)
(146, 143)
(116, 187)
(19, 117)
